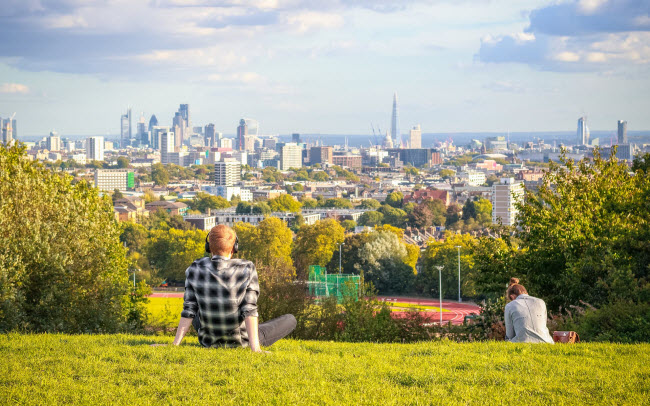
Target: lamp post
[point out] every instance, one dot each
(340, 245)
(459, 298)
(134, 271)
(440, 289)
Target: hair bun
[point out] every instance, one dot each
(514, 281)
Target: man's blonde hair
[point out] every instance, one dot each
(222, 239)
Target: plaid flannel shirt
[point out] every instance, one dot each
(222, 293)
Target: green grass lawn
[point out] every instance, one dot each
(123, 369)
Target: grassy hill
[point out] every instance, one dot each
(124, 369)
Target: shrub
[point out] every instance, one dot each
(622, 322)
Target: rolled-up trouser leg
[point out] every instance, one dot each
(275, 329)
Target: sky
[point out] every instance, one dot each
(326, 66)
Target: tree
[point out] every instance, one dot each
(393, 216)
(370, 204)
(204, 201)
(172, 251)
(371, 218)
(349, 225)
(381, 254)
(395, 199)
(453, 214)
(338, 203)
(116, 195)
(284, 202)
(268, 245)
(123, 162)
(62, 265)
(309, 203)
(642, 163)
(298, 187)
(584, 233)
(446, 173)
(445, 254)
(320, 176)
(159, 174)
(409, 170)
(315, 244)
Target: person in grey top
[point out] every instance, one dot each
(525, 316)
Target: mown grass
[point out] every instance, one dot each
(123, 369)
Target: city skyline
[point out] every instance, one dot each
(305, 67)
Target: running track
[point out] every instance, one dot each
(455, 313)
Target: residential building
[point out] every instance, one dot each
(348, 161)
(290, 156)
(228, 192)
(167, 146)
(419, 196)
(320, 155)
(505, 195)
(95, 148)
(203, 222)
(53, 142)
(417, 157)
(227, 172)
(474, 178)
(110, 179)
(415, 137)
(173, 208)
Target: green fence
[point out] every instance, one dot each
(322, 284)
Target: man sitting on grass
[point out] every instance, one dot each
(221, 299)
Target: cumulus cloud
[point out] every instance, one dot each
(13, 88)
(578, 35)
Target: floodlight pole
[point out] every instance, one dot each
(459, 298)
(340, 245)
(440, 289)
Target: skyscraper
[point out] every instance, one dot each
(583, 131)
(125, 129)
(184, 109)
(6, 128)
(179, 125)
(622, 132)
(95, 148)
(415, 137)
(156, 133)
(143, 135)
(394, 124)
(242, 132)
(209, 136)
(153, 121)
(295, 137)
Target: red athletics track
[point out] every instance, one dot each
(456, 311)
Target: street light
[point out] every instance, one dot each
(459, 298)
(134, 271)
(440, 289)
(341, 244)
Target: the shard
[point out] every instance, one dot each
(394, 128)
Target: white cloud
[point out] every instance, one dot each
(590, 6)
(566, 56)
(13, 88)
(310, 20)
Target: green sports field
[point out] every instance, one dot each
(123, 369)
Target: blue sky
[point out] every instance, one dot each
(326, 66)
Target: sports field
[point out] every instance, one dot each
(123, 369)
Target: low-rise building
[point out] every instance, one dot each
(419, 196)
(111, 179)
(173, 208)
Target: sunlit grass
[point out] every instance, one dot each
(124, 369)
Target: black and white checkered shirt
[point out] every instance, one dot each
(222, 292)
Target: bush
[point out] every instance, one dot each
(622, 322)
(62, 266)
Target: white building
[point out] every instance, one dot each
(415, 137)
(53, 142)
(290, 156)
(95, 148)
(227, 192)
(474, 178)
(505, 195)
(225, 143)
(227, 172)
(110, 179)
(167, 146)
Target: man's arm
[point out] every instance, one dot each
(190, 309)
(252, 328)
(183, 326)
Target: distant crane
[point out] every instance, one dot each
(374, 134)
